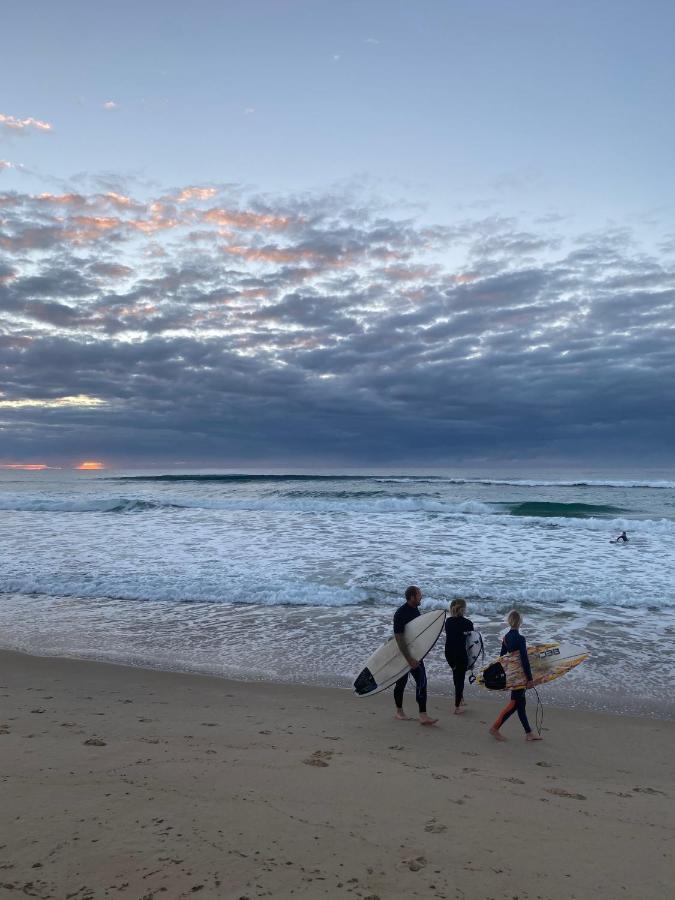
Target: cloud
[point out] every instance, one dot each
(110, 104)
(13, 125)
(81, 400)
(214, 325)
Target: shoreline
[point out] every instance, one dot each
(553, 696)
(130, 782)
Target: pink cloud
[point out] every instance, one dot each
(195, 193)
(270, 254)
(11, 123)
(227, 218)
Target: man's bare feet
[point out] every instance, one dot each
(401, 716)
(427, 720)
(533, 737)
(459, 710)
(497, 735)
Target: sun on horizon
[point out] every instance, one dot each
(90, 465)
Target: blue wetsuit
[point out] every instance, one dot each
(513, 640)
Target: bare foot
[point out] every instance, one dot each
(401, 716)
(427, 720)
(533, 737)
(459, 710)
(497, 735)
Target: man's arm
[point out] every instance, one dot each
(403, 647)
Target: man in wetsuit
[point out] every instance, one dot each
(622, 537)
(404, 614)
(513, 640)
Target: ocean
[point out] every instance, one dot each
(296, 577)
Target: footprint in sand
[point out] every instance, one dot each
(648, 790)
(415, 863)
(514, 780)
(318, 758)
(545, 765)
(434, 827)
(94, 742)
(4, 729)
(561, 792)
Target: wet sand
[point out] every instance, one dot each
(131, 783)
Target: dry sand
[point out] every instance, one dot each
(129, 783)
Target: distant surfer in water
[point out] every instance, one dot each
(513, 640)
(404, 614)
(622, 537)
(457, 626)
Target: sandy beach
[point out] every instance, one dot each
(124, 782)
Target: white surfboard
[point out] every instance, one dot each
(474, 649)
(388, 664)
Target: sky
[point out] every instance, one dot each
(301, 233)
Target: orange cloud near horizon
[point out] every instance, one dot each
(26, 467)
(90, 465)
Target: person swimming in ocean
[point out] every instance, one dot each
(404, 614)
(622, 537)
(513, 640)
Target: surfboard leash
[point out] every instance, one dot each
(539, 715)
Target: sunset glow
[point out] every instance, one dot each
(26, 467)
(90, 465)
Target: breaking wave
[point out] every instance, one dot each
(241, 478)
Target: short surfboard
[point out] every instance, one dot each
(547, 661)
(388, 664)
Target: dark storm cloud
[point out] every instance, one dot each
(313, 329)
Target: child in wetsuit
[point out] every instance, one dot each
(513, 640)
(457, 626)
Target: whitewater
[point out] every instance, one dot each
(295, 577)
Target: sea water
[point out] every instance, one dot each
(296, 577)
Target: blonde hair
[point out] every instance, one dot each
(514, 618)
(457, 607)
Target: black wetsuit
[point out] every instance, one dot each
(402, 616)
(513, 640)
(456, 630)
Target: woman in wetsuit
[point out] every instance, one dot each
(457, 626)
(513, 640)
